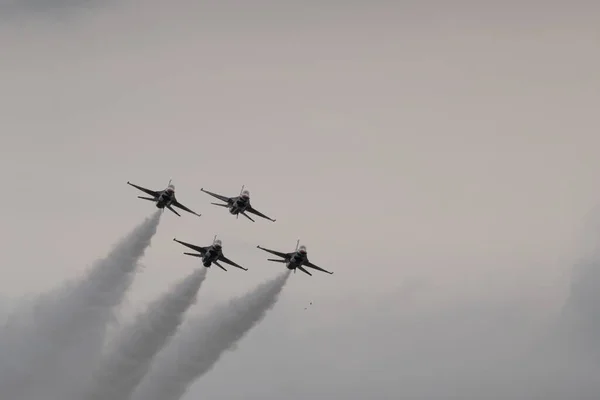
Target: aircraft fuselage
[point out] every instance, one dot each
(211, 255)
(296, 260)
(239, 205)
(165, 199)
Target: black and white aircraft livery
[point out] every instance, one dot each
(238, 205)
(296, 259)
(163, 198)
(210, 254)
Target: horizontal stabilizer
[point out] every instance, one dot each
(170, 208)
(246, 215)
(303, 270)
(219, 265)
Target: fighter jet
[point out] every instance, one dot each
(210, 254)
(297, 259)
(238, 205)
(163, 198)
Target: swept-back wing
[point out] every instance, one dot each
(313, 266)
(277, 253)
(218, 196)
(252, 210)
(152, 193)
(179, 205)
(199, 249)
(228, 261)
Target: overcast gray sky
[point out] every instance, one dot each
(440, 157)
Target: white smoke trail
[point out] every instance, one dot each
(198, 348)
(65, 329)
(124, 368)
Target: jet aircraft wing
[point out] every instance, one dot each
(152, 193)
(179, 205)
(277, 253)
(313, 266)
(199, 249)
(250, 209)
(228, 261)
(218, 196)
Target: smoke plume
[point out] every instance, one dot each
(198, 348)
(60, 336)
(51, 349)
(135, 347)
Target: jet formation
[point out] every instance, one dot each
(213, 254)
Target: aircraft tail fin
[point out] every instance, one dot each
(219, 204)
(275, 260)
(193, 254)
(146, 198)
(297, 244)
